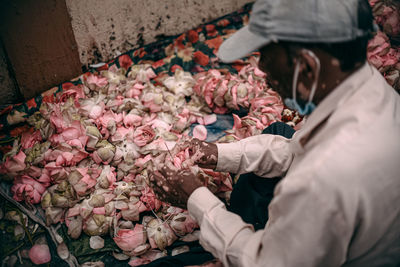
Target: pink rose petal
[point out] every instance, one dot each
(40, 254)
(210, 119)
(200, 132)
(128, 239)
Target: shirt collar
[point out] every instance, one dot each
(331, 102)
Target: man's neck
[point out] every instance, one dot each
(334, 78)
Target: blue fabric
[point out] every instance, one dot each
(216, 130)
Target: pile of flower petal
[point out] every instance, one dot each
(385, 58)
(248, 90)
(383, 49)
(87, 157)
(387, 15)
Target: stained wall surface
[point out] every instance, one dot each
(103, 29)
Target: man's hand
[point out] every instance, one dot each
(175, 187)
(205, 154)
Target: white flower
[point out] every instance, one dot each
(181, 83)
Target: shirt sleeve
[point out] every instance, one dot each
(266, 155)
(305, 229)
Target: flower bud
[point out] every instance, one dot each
(103, 182)
(97, 225)
(99, 219)
(183, 224)
(97, 201)
(54, 215)
(160, 234)
(74, 226)
(74, 177)
(46, 200)
(105, 153)
(110, 207)
(59, 201)
(63, 186)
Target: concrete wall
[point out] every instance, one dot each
(105, 28)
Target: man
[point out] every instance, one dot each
(339, 201)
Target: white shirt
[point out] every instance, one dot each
(339, 202)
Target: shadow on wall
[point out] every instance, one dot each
(9, 92)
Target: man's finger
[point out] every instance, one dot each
(155, 175)
(167, 197)
(167, 172)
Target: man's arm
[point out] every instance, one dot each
(266, 155)
(306, 228)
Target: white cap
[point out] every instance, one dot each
(304, 21)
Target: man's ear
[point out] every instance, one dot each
(309, 72)
(309, 66)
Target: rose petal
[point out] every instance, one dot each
(200, 132)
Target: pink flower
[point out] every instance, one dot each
(149, 199)
(28, 139)
(54, 171)
(75, 91)
(56, 118)
(34, 172)
(65, 159)
(181, 123)
(390, 20)
(91, 108)
(28, 189)
(133, 211)
(140, 162)
(40, 254)
(132, 120)
(14, 164)
(109, 120)
(160, 234)
(135, 91)
(157, 123)
(128, 239)
(152, 105)
(183, 224)
(74, 135)
(95, 80)
(263, 101)
(121, 134)
(143, 135)
(88, 179)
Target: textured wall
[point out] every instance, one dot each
(103, 28)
